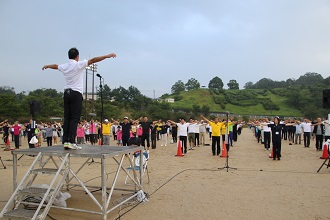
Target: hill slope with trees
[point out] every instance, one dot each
(301, 98)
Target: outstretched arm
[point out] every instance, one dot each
(50, 66)
(205, 119)
(100, 58)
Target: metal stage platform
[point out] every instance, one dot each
(118, 154)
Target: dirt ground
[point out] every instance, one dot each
(193, 186)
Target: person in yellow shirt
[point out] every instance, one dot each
(159, 128)
(106, 129)
(216, 127)
(224, 128)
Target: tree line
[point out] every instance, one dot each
(304, 94)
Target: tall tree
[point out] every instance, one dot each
(248, 85)
(7, 90)
(310, 78)
(233, 84)
(216, 83)
(106, 92)
(192, 84)
(178, 87)
(265, 83)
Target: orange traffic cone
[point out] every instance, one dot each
(325, 154)
(7, 145)
(271, 155)
(179, 153)
(224, 150)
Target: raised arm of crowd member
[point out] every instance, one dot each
(91, 61)
(318, 122)
(114, 121)
(171, 122)
(207, 120)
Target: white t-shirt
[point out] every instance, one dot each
(306, 127)
(327, 128)
(191, 127)
(73, 74)
(182, 129)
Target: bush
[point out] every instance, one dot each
(178, 97)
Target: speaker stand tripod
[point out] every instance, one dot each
(227, 161)
(4, 167)
(227, 147)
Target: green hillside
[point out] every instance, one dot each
(242, 102)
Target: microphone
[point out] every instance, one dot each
(98, 75)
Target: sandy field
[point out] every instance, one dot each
(193, 186)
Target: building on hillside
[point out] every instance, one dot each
(170, 100)
(90, 96)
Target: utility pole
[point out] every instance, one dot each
(94, 69)
(86, 95)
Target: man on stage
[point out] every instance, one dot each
(73, 89)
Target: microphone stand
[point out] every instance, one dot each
(227, 147)
(101, 93)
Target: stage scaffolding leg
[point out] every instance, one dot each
(104, 188)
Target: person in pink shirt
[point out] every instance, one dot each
(139, 131)
(17, 132)
(80, 134)
(119, 134)
(93, 132)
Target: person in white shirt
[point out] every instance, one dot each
(298, 132)
(191, 133)
(73, 74)
(202, 132)
(267, 131)
(326, 129)
(306, 126)
(182, 133)
(196, 141)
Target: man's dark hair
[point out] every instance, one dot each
(73, 53)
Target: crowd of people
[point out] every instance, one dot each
(294, 131)
(193, 133)
(123, 133)
(16, 132)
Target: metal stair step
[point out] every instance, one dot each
(46, 171)
(34, 191)
(20, 214)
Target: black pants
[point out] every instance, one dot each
(259, 135)
(72, 112)
(183, 140)
(16, 138)
(319, 142)
(49, 141)
(215, 141)
(277, 145)
(196, 141)
(153, 140)
(285, 135)
(175, 137)
(267, 140)
(145, 137)
(93, 138)
(125, 141)
(307, 139)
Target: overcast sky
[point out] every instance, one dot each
(159, 42)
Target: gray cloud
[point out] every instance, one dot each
(161, 42)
